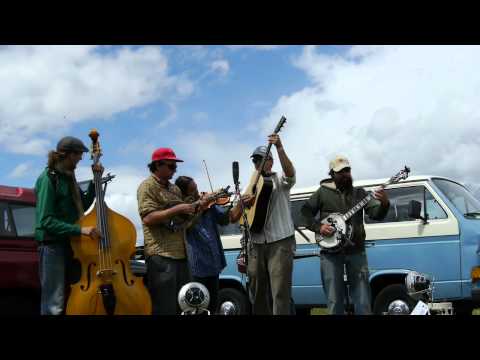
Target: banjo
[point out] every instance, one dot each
(340, 222)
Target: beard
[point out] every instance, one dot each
(345, 183)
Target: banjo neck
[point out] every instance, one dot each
(348, 215)
(403, 174)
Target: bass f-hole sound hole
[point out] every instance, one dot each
(124, 272)
(85, 288)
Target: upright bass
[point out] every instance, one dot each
(107, 285)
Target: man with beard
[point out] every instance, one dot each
(337, 194)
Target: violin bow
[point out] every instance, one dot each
(208, 175)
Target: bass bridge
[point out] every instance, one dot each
(106, 275)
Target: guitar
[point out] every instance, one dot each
(340, 222)
(261, 188)
(179, 222)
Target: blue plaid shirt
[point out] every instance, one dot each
(204, 247)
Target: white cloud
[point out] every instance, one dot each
(121, 195)
(138, 147)
(220, 66)
(48, 88)
(21, 170)
(219, 150)
(255, 47)
(384, 107)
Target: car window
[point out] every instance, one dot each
(230, 229)
(24, 219)
(298, 219)
(399, 200)
(6, 224)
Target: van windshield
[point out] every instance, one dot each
(463, 199)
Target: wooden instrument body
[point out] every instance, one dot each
(262, 189)
(132, 297)
(257, 213)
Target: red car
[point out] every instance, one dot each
(19, 282)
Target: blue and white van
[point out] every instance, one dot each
(443, 243)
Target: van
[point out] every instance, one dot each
(441, 239)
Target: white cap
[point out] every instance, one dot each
(339, 163)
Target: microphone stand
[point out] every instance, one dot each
(246, 235)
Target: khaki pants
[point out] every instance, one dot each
(270, 269)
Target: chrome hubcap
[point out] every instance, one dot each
(398, 307)
(228, 308)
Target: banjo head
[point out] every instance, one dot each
(336, 239)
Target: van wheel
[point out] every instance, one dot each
(232, 302)
(394, 298)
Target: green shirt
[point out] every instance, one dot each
(55, 212)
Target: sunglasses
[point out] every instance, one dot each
(171, 166)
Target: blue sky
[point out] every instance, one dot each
(221, 102)
(381, 106)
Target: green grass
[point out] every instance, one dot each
(476, 311)
(318, 311)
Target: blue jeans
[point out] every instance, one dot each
(334, 287)
(52, 270)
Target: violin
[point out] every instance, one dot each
(179, 222)
(220, 197)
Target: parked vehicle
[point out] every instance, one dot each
(433, 227)
(19, 280)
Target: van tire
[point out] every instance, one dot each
(389, 294)
(237, 297)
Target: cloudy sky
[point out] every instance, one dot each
(382, 106)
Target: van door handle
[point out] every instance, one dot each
(369, 243)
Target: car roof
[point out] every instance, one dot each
(372, 182)
(17, 194)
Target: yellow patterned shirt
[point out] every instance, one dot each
(159, 240)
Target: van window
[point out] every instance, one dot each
(463, 200)
(24, 219)
(230, 229)
(298, 219)
(6, 225)
(399, 199)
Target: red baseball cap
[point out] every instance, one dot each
(164, 154)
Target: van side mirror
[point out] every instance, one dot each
(414, 210)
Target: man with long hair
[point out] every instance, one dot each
(60, 203)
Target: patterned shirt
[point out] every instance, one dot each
(204, 247)
(159, 240)
(279, 223)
